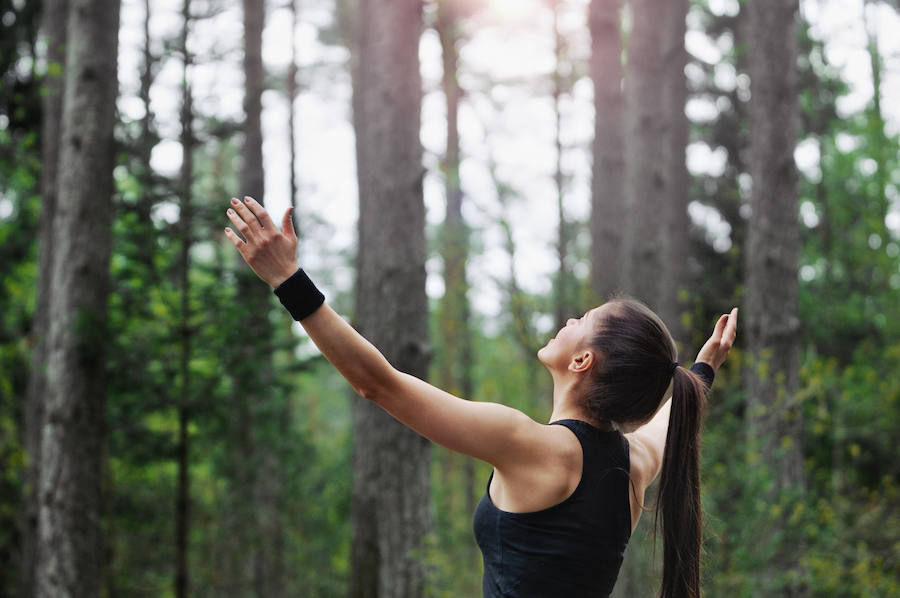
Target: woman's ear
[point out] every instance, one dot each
(581, 362)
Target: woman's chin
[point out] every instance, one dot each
(543, 350)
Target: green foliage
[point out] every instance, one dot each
(19, 204)
(845, 521)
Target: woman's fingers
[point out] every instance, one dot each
(720, 327)
(730, 332)
(243, 213)
(260, 213)
(235, 240)
(287, 225)
(240, 224)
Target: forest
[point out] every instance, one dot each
(465, 175)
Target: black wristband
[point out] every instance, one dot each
(705, 371)
(299, 295)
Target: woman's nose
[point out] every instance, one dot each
(571, 321)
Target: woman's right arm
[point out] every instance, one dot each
(504, 437)
(497, 434)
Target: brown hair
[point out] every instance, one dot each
(635, 363)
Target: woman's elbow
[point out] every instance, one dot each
(376, 389)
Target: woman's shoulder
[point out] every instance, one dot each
(550, 475)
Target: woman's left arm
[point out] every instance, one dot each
(649, 441)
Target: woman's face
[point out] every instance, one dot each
(572, 338)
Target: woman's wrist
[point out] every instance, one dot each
(706, 372)
(299, 295)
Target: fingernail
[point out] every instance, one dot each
(248, 199)
(234, 201)
(230, 211)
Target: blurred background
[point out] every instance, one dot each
(466, 175)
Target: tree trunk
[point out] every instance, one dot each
(54, 30)
(517, 306)
(773, 244)
(146, 141)
(182, 494)
(678, 180)
(390, 504)
(456, 336)
(261, 469)
(292, 101)
(70, 558)
(563, 308)
(608, 171)
(645, 235)
(875, 115)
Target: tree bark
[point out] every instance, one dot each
(456, 336)
(70, 558)
(292, 93)
(645, 233)
(773, 245)
(182, 494)
(390, 503)
(608, 170)
(145, 143)
(678, 180)
(563, 308)
(258, 434)
(55, 14)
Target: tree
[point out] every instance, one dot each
(292, 92)
(563, 294)
(260, 470)
(608, 170)
(54, 31)
(183, 487)
(678, 180)
(456, 352)
(390, 510)
(69, 533)
(646, 227)
(774, 414)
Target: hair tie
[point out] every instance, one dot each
(675, 364)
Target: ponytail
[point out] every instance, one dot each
(679, 488)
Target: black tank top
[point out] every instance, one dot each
(572, 549)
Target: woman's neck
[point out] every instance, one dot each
(567, 404)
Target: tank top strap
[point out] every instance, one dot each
(601, 449)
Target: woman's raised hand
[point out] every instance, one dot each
(270, 252)
(716, 349)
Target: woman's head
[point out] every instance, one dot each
(622, 356)
(634, 363)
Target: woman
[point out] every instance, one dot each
(557, 513)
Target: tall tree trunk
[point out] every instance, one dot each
(252, 173)
(876, 116)
(70, 558)
(456, 336)
(645, 235)
(182, 494)
(678, 180)
(55, 14)
(267, 543)
(521, 314)
(390, 506)
(563, 308)
(146, 141)
(773, 244)
(292, 111)
(608, 171)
